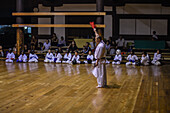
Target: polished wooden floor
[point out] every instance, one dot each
(63, 88)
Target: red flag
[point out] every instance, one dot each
(92, 25)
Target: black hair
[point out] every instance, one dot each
(100, 37)
(145, 53)
(159, 51)
(32, 52)
(154, 32)
(133, 52)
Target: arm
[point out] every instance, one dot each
(96, 34)
(136, 58)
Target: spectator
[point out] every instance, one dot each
(62, 42)
(110, 40)
(93, 44)
(87, 48)
(25, 48)
(120, 43)
(113, 47)
(154, 36)
(60, 50)
(15, 49)
(47, 45)
(54, 40)
(33, 43)
(1, 52)
(84, 50)
(73, 47)
(108, 47)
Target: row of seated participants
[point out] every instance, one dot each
(132, 59)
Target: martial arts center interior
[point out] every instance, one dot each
(85, 56)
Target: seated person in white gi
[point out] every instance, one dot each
(75, 59)
(57, 57)
(22, 57)
(89, 58)
(118, 57)
(157, 58)
(145, 59)
(49, 57)
(33, 57)
(132, 58)
(10, 56)
(67, 57)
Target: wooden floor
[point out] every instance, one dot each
(63, 88)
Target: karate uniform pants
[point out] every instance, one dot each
(33, 60)
(100, 73)
(9, 60)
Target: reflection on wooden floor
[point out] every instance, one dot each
(63, 88)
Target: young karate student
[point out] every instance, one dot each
(132, 58)
(67, 57)
(49, 57)
(22, 57)
(157, 58)
(75, 59)
(33, 57)
(145, 59)
(118, 57)
(10, 56)
(89, 58)
(57, 57)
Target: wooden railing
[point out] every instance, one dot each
(57, 13)
(59, 25)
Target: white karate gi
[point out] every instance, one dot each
(49, 57)
(156, 59)
(77, 59)
(117, 59)
(58, 57)
(68, 57)
(89, 57)
(100, 71)
(33, 58)
(10, 57)
(145, 60)
(132, 58)
(22, 58)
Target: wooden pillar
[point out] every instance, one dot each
(100, 19)
(19, 20)
(168, 28)
(52, 20)
(34, 20)
(115, 22)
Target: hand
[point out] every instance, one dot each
(94, 29)
(96, 64)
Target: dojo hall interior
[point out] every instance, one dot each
(48, 55)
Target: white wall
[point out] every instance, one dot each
(44, 31)
(143, 9)
(127, 26)
(61, 19)
(143, 26)
(108, 23)
(59, 31)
